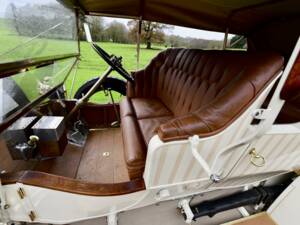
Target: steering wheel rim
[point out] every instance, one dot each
(107, 58)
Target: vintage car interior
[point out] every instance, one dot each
(240, 110)
(176, 99)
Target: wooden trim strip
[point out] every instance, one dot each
(11, 68)
(58, 183)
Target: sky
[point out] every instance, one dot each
(5, 3)
(181, 31)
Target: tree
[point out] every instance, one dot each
(151, 32)
(96, 25)
(117, 32)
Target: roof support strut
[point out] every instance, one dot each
(225, 38)
(138, 44)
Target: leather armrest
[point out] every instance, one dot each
(182, 127)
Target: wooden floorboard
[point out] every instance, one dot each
(100, 161)
(65, 165)
(120, 168)
(103, 160)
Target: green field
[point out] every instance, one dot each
(91, 65)
(14, 47)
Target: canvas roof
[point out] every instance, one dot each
(216, 15)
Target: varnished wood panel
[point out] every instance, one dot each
(65, 165)
(70, 185)
(120, 168)
(103, 159)
(87, 164)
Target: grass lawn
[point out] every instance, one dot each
(91, 65)
(14, 47)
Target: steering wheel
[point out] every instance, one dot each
(113, 61)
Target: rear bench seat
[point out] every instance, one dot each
(183, 92)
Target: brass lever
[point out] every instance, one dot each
(33, 140)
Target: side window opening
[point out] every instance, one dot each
(238, 42)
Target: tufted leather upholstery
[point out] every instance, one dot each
(183, 92)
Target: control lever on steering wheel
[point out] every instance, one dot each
(113, 61)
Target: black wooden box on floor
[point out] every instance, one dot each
(17, 135)
(52, 135)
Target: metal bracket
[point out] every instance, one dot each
(21, 193)
(243, 211)
(261, 114)
(112, 219)
(184, 205)
(26, 203)
(194, 141)
(215, 178)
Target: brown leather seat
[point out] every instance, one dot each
(290, 113)
(183, 92)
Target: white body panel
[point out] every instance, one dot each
(285, 210)
(57, 207)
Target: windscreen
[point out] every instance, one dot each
(35, 28)
(18, 90)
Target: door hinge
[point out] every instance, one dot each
(21, 193)
(32, 215)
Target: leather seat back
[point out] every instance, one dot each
(186, 80)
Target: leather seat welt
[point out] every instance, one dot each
(149, 126)
(126, 107)
(149, 108)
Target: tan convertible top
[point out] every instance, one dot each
(240, 16)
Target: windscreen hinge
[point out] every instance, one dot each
(21, 193)
(26, 203)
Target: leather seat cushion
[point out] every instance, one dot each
(134, 147)
(149, 108)
(149, 126)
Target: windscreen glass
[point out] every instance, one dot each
(36, 28)
(19, 90)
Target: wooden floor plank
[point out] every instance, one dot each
(103, 161)
(120, 169)
(65, 165)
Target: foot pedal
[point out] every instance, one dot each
(78, 135)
